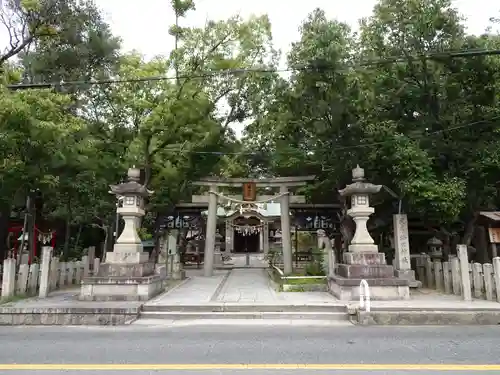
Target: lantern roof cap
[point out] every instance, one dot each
(132, 186)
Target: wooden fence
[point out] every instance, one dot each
(49, 275)
(458, 276)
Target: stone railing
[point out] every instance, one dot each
(49, 275)
(459, 277)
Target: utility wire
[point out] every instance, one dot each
(312, 67)
(343, 148)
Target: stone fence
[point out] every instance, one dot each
(459, 277)
(49, 275)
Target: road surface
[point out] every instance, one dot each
(248, 349)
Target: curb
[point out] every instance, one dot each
(219, 287)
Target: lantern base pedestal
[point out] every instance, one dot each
(120, 288)
(126, 276)
(370, 266)
(347, 289)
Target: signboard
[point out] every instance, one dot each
(494, 235)
(177, 220)
(313, 219)
(249, 191)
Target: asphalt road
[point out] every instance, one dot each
(219, 349)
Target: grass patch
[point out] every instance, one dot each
(306, 281)
(16, 298)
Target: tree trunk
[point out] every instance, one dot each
(5, 209)
(77, 240)
(67, 232)
(469, 230)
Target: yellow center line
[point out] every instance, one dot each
(339, 366)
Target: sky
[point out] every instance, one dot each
(143, 26)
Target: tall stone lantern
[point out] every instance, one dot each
(128, 247)
(363, 261)
(127, 274)
(360, 211)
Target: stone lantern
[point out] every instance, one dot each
(363, 261)
(360, 210)
(435, 246)
(127, 274)
(132, 195)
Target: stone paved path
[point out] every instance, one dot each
(247, 286)
(196, 290)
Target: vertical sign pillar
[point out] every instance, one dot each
(402, 250)
(265, 233)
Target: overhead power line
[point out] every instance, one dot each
(221, 72)
(342, 148)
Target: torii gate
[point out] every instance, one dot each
(249, 195)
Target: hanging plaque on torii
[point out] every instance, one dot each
(249, 191)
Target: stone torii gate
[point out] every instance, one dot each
(282, 183)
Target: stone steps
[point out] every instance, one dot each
(324, 312)
(275, 315)
(240, 307)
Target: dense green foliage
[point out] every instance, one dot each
(392, 98)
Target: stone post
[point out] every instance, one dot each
(286, 240)
(455, 275)
(488, 281)
(496, 276)
(97, 265)
(9, 278)
(229, 236)
(465, 286)
(78, 272)
(33, 277)
(45, 275)
(208, 265)
(54, 273)
(86, 265)
(402, 251)
(22, 278)
(71, 272)
(265, 231)
(62, 274)
(91, 252)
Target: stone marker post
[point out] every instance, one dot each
(455, 275)
(465, 286)
(78, 272)
(62, 274)
(86, 265)
(402, 251)
(33, 278)
(496, 276)
(22, 278)
(9, 277)
(54, 273)
(97, 264)
(45, 275)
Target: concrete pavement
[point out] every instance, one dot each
(249, 349)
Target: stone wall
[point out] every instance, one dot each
(458, 276)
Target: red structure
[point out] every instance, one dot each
(15, 231)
